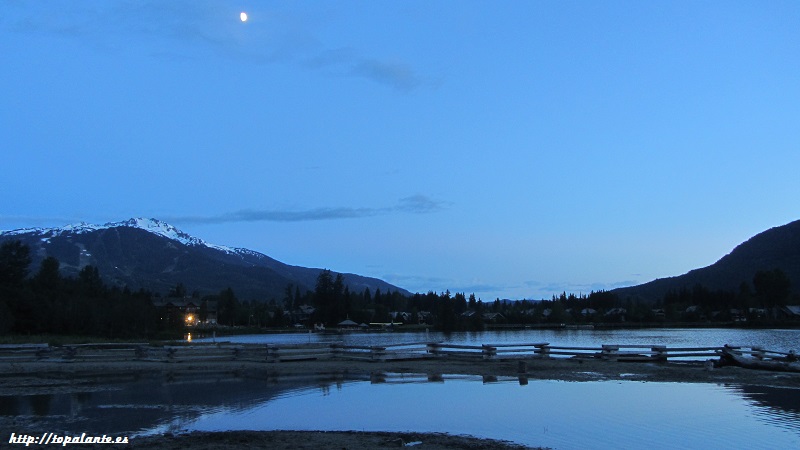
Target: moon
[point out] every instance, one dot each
(243, 16)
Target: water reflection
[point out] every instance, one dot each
(780, 407)
(534, 412)
(771, 339)
(146, 404)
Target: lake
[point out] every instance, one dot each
(781, 340)
(556, 414)
(563, 415)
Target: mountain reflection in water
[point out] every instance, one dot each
(599, 414)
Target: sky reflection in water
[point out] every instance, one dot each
(542, 413)
(777, 340)
(550, 413)
(563, 415)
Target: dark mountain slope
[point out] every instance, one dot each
(776, 248)
(146, 253)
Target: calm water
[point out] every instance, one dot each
(776, 340)
(558, 414)
(563, 415)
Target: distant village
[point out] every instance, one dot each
(457, 312)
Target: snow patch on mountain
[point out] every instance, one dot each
(76, 228)
(154, 226)
(160, 228)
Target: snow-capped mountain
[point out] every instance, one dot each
(151, 254)
(154, 226)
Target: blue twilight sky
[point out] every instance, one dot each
(513, 149)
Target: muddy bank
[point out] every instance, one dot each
(59, 376)
(291, 440)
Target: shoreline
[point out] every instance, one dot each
(43, 377)
(311, 440)
(227, 332)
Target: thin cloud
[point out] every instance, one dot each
(347, 62)
(209, 26)
(416, 204)
(285, 216)
(398, 75)
(330, 58)
(97, 24)
(421, 204)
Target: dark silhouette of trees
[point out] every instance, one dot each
(228, 307)
(446, 312)
(331, 301)
(14, 261)
(48, 278)
(772, 287)
(49, 302)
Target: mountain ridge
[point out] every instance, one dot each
(154, 255)
(775, 248)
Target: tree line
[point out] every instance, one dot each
(754, 302)
(46, 302)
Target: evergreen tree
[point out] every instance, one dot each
(367, 296)
(772, 287)
(446, 312)
(460, 302)
(339, 309)
(298, 300)
(48, 277)
(324, 304)
(90, 282)
(14, 261)
(227, 307)
(288, 299)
